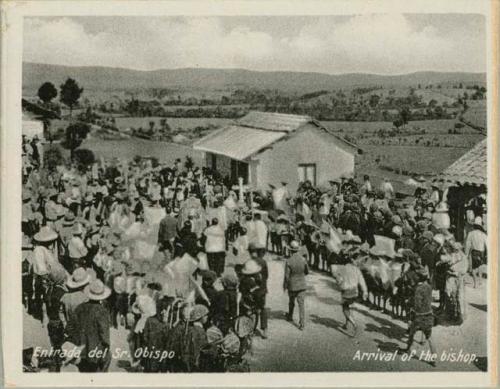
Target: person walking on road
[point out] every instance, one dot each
(296, 270)
(350, 279)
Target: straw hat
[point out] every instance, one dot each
(26, 243)
(79, 278)
(97, 291)
(144, 305)
(428, 235)
(243, 326)
(199, 311)
(439, 238)
(69, 219)
(46, 234)
(214, 335)
(397, 230)
(231, 344)
(26, 196)
(251, 267)
(229, 280)
(294, 246)
(377, 251)
(77, 229)
(58, 275)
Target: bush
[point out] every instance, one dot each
(53, 157)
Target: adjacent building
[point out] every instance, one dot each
(268, 148)
(466, 180)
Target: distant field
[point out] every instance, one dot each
(174, 123)
(419, 160)
(476, 114)
(129, 148)
(430, 126)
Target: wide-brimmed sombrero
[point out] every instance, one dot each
(79, 278)
(97, 291)
(46, 234)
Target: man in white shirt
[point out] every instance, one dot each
(387, 188)
(258, 233)
(215, 247)
(77, 250)
(476, 246)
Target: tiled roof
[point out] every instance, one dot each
(471, 168)
(271, 121)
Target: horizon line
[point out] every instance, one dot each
(257, 71)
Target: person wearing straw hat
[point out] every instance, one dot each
(215, 246)
(249, 286)
(421, 309)
(54, 293)
(351, 280)
(188, 338)
(77, 251)
(44, 260)
(257, 254)
(92, 321)
(27, 271)
(74, 297)
(152, 333)
(476, 248)
(294, 282)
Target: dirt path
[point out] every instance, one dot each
(323, 346)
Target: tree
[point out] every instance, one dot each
(69, 94)
(374, 100)
(47, 92)
(83, 159)
(75, 135)
(405, 115)
(53, 157)
(397, 123)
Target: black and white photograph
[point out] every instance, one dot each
(261, 193)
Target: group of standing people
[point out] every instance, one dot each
(177, 257)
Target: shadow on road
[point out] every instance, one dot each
(277, 315)
(329, 322)
(387, 346)
(387, 327)
(481, 307)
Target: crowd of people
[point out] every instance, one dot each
(178, 257)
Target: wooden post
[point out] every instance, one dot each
(241, 200)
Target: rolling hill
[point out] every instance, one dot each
(106, 78)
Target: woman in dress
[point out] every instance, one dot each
(455, 263)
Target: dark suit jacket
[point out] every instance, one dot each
(296, 270)
(93, 323)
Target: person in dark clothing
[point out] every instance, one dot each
(167, 232)
(55, 326)
(186, 241)
(430, 256)
(257, 254)
(295, 283)
(422, 315)
(93, 321)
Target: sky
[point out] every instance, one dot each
(368, 43)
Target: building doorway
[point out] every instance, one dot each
(239, 169)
